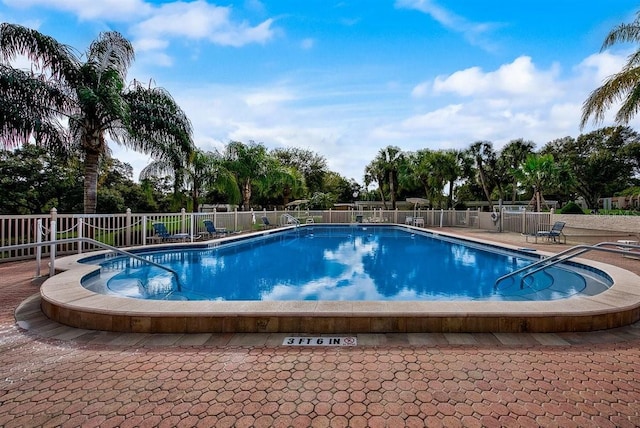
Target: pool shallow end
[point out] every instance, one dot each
(66, 301)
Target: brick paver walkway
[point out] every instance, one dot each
(95, 379)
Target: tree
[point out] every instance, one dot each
(484, 159)
(539, 172)
(384, 169)
(598, 161)
(90, 95)
(203, 171)
(282, 183)
(340, 188)
(312, 166)
(250, 165)
(511, 157)
(623, 86)
(33, 182)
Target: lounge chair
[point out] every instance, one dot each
(265, 222)
(161, 231)
(554, 233)
(212, 230)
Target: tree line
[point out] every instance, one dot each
(58, 117)
(605, 162)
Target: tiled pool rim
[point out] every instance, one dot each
(65, 300)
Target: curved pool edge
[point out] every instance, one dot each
(64, 300)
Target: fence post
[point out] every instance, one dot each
(52, 248)
(329, 215)
(191, 226)
(80, 226)
(127, 238)
(38, 248)
(144, 230)
(53, 215)
(235, 219)
(524, 221)
(441, 216)
(183, 219)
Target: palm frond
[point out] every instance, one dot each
(44, 50)
(630, 106)
(156, 122)
(157, 168)
(30, 105)
(623, 33)
(611, 92)
(111, 51)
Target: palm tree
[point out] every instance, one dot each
(449, 168)
(90, 96)
(623, 86)
(512, 156)
(539, 172)
(374, 172)
(384, 169)
(249, 164)
(418, 172)
(203, 171)
(484, 158)
(282, 182)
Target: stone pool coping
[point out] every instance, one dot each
(66, 301)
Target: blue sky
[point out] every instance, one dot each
(346, 78)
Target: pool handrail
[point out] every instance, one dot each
(290, 219)
(546, 262)
(97, 244)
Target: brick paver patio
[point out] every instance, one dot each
(51, 375)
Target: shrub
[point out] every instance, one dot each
(571, 208)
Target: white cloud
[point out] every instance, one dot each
(598, 67)
(115, 10)
(261, 98)
(307, 44)
(519, 78)
(475, 33)
(200, 20)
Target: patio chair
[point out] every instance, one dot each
(554, 233)
(265, 223)
(213, 231)
(161, 231)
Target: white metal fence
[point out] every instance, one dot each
(136, 229)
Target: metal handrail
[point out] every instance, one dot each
(97, 244)
(291, 218)
(559, 258)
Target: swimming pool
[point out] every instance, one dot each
(65, 300)
(354, 262)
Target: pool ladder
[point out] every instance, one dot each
(97, 244)
(288, 219)
(563, 256)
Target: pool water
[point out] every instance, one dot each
(366, 263)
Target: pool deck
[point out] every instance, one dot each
(54, 375)
(66, 301)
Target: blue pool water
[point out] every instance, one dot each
(341, 263)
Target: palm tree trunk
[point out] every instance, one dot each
(91, 159)
(485, 189)
(392, 191)
(194, 199)
(246, 195)
(450, 198)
